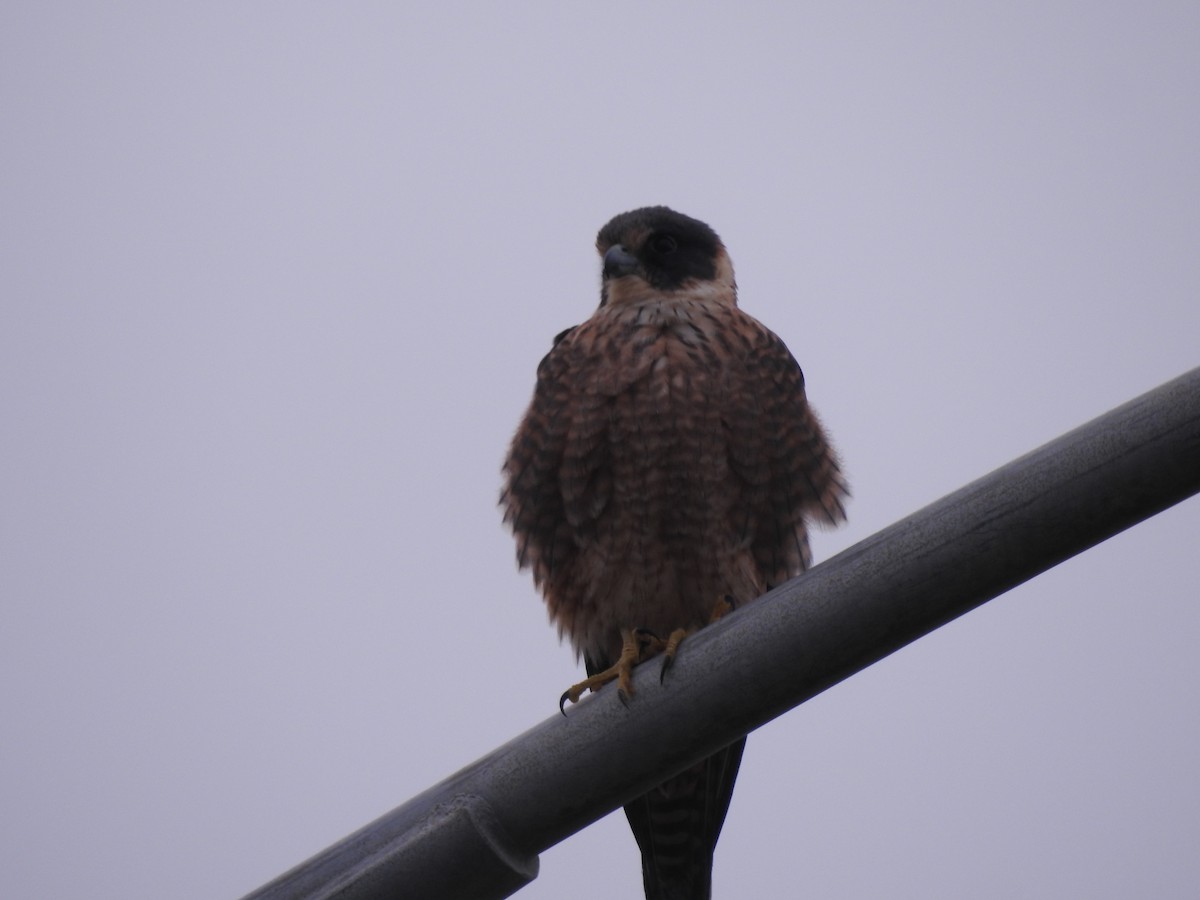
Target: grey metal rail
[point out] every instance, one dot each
(477, 834)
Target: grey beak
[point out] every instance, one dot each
(618, 261)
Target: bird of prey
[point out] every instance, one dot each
(666, 468)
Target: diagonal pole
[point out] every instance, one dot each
(477, 834)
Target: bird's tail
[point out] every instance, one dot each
(677, 825)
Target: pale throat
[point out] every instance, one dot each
(631, 293)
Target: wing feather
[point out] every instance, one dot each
(787, 469)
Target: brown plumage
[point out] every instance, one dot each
(669, 459)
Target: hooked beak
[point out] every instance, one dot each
(618, 261)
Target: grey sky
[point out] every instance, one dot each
(275, 279)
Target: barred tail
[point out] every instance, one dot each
(677, 824)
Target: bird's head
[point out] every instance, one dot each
(655, 251)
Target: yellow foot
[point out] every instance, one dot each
(633, 645)
(724, 606)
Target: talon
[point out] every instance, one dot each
(621, 672)
(670, 648)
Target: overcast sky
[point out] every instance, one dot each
(275, 279)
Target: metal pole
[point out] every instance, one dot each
(478, 833)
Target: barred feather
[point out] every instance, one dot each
(669, 458)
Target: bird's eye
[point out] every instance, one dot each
(663, 244)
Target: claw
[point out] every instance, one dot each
(725, 605)
(638, 644)
(671, 648)
(621, 671)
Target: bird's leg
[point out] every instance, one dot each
(634, 646)
(724, 606)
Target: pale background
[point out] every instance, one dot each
(276, 278)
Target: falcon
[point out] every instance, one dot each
(665, 472)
